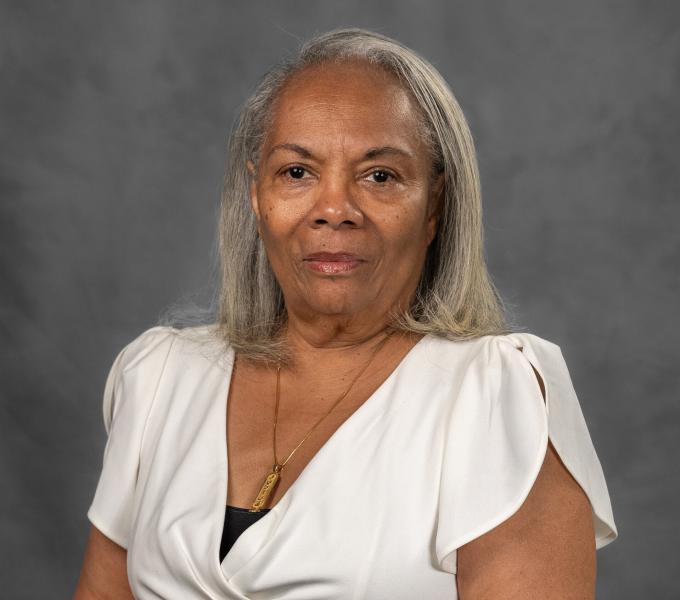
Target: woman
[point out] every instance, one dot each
(359, 421)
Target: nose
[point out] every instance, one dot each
(336, 204)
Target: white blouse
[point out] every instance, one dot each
(443, 451)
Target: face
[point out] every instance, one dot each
(342, 171)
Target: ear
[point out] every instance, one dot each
(435, 205)
(253, 192)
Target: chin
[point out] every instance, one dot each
(332, 307)
(333, 302)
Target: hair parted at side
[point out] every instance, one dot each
(456, 297)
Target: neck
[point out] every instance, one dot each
(310, 339)
(315, 351)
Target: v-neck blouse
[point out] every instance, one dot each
(446, 449)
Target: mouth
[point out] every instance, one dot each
(332, 263)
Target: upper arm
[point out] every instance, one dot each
(103, 574)
(545, 550)
(129, 393)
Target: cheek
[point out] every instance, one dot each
(404, 229)
(279, 218)
(280, 225)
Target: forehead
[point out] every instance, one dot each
(351, 103)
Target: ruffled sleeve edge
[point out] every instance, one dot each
(448, 557)
(563, 424)
(568, 431)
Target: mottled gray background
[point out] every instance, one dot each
(114, 118)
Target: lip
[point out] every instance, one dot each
(332, 262)
(332, 256)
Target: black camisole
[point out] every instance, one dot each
(236, 521)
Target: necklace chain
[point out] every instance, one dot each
(272, 478)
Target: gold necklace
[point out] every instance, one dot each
(272, 477)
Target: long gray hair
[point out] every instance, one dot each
(455, 298)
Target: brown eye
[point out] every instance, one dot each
(380, 176)
(295, 172)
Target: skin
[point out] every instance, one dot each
(103, 575)
(341, 201)
(315, 189)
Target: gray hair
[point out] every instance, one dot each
(455, 298)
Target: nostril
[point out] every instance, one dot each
(335, 223)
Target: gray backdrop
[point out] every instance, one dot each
(114, 118)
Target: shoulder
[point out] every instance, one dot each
(155, 343)
(518, 350)
(160, 351)
(147, 344)
(512, 396)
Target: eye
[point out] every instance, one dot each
(381, 176)
(295, 172)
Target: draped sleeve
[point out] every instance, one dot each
(497, 439)
(128, 397)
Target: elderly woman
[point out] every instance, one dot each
(358, 420)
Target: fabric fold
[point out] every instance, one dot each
(129, 392)
(497, 440)
(444, 450)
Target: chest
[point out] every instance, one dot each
(360, 513)
(311, 409)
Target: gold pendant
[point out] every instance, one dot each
(266, 489)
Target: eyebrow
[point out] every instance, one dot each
(370, 153)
